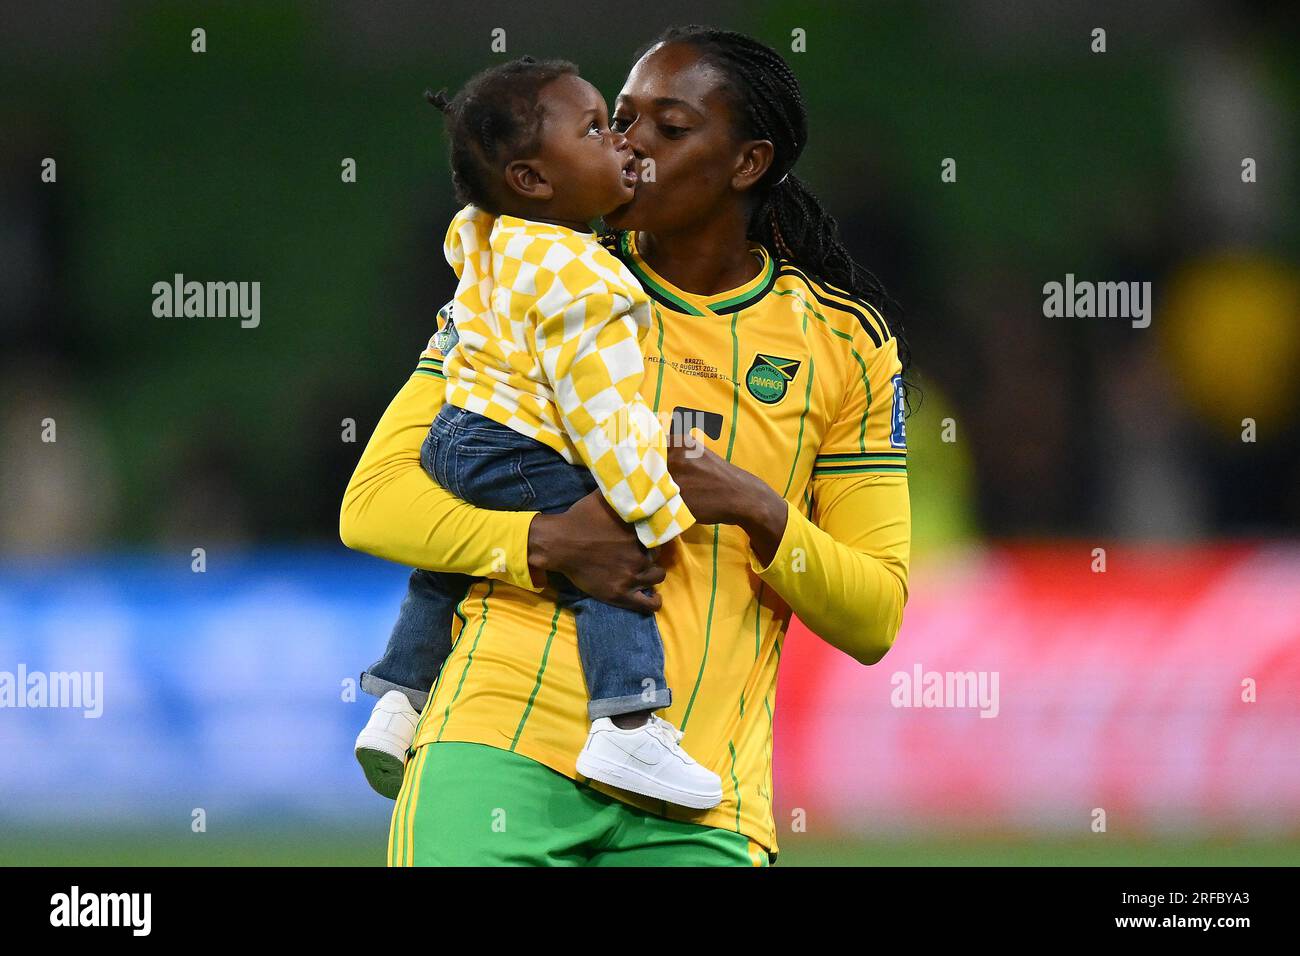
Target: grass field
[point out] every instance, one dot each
(303, 846)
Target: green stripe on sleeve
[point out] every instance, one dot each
(860, 456)
(884, 462)
(430, 366)
(860, 470)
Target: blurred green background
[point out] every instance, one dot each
(226, 165)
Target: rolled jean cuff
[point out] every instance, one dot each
(378, 687)
(613, 706)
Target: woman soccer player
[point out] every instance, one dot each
(768, 340)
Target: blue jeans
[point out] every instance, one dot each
(492, 466)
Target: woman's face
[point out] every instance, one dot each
(674, 111)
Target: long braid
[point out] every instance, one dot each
(786, 217)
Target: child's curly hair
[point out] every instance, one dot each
(494, 119)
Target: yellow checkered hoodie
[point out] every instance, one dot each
(550, 326)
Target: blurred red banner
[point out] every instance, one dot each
(1029, 691)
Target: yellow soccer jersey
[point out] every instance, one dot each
(788, 379)
(549, 325)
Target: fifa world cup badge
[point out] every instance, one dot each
(446, 336)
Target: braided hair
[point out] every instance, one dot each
(786, 216)
(496, 117)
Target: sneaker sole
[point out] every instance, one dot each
(383, 771)
(598, 769)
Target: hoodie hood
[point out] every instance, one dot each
(468, 248)
(469, 239)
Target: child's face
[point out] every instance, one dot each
(591, 169)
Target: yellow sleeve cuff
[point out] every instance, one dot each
(516, 562)
(782, 557)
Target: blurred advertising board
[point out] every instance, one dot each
(1026, 691)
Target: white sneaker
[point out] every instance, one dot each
(383, 742)
(650, 761)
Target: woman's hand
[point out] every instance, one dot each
(599, 552)
(717, 492)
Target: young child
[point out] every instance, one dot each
(542, 407)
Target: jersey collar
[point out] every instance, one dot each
(679, 300)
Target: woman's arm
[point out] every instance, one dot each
(844, 574)
(393, 510)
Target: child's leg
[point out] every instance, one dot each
(492, 466)
(622, 656)
(417, 649)
(421, 638)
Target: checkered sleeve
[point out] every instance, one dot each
(591, 354)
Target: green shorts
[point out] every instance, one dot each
(472, 805)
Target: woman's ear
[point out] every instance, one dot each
(526, 178)
(755, 160)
